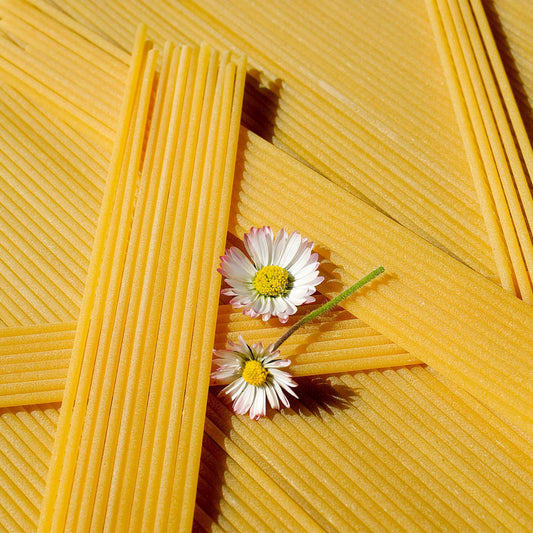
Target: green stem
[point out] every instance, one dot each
(327, 306)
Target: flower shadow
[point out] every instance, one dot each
(320, 394)
(260, 104)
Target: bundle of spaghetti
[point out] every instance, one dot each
(163, 490)
(51, 192)
(449, 463)
(510, 21)
(114, 222)
(143, 389)
(345, 137)
(516, 118)
(34, 362)
(66, 72)
(429, 304)
(334, 343)
(498, 148)
(264, 497)
(26, 437)
(34, 359)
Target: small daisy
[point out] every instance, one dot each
(252, 375)
(281, 274)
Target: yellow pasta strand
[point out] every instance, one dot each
(35, 359)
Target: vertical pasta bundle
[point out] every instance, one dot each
(499, 150)
(131, 429)
(104, 272)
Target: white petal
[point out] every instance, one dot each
(235, 389)
(290, 308)
(272, 397)
(310, 279)
(278, 246)
(258, 407)
(234, 264)
(224, 375)
(304, 269)
(302, 258)
(277, 363)
(243, 403)
(290, 254)
(258, 243)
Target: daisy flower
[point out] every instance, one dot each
(253, 376)
(281, 273)
(252, 373)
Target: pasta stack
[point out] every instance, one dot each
(343, 134)
(139, 352)
(501, 165)
(35, 360)
(370, 181)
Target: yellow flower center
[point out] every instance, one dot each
(254, 373)
(271, 280)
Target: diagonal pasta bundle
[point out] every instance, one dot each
(52, 179)
(412, 451)
(436, 308)
(427, 188)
